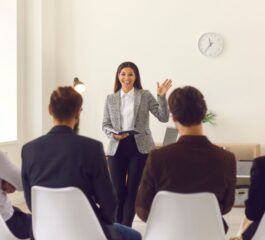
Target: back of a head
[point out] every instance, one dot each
(187, 106)
(65, 102)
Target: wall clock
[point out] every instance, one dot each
(211, 44)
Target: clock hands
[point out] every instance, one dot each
(210, 44)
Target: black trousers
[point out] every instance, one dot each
(20, 224)
(126, 169)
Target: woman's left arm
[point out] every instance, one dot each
(159, 107)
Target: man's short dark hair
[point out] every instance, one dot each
(187, 105)
(65, 102)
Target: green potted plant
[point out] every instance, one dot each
(210, 118)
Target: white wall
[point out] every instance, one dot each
(13, 149)
(94, 37)
(8, 62)
(36, 74)
(89, 39)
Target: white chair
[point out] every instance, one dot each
(260, 233)
(5, 233)
(175, 216)
(63, 213)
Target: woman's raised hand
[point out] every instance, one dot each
(163, 88)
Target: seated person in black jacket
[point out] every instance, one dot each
(62, 158)
(255, 204)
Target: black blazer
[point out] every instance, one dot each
(255, 204)
(62, 159)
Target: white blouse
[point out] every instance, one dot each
(127, 110)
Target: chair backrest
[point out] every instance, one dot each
(260, 233)
(63, 213)
(5, 233)
(175, 216)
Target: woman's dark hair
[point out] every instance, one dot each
(65, 102)
(187, 105)
(137, 83)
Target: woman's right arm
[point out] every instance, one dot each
(107, 124)
(106, 120)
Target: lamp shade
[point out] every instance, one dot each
(79, 86)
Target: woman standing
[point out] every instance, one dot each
(128, 109)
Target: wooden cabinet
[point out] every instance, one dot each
(242, 151)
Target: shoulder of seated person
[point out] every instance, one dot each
(89, 140)
(260, 159)
(223, 150)
(166, 149)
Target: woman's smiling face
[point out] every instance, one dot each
(127, 79)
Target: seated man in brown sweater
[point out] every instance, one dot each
(192, 164)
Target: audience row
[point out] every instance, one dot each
(116, 188)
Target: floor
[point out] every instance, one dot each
(233, 219)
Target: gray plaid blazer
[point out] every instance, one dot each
(144, 102)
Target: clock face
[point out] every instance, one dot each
(211, 44)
